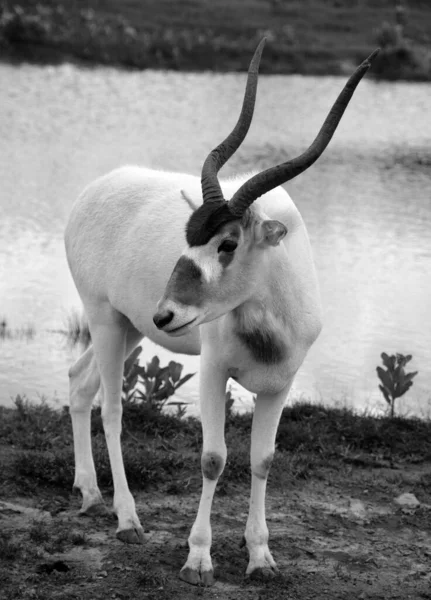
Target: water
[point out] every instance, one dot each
(367, 204)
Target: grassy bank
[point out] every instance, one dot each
(160, 448)
(312, 37)
(335, 530)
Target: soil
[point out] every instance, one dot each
(338, 535)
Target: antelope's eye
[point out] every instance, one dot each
(227, 246)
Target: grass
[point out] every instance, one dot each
(163, 450)
(40, 536)
(9, 549)
(76, 329)
(309, 37)
(321, 453)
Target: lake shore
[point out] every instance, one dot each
(321, 40)
(340, 523)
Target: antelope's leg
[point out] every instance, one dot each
(84, 384)
(266, 417)
(84, 381)
(109, 332)
(198, 568)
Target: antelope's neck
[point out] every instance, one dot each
(276, 324)
(260, 350)
(264, 340)
(262, 331)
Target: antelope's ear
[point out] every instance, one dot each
(270, 233)
(189, 200)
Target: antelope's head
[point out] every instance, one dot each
(228, 240)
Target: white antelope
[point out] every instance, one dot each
(243, 294)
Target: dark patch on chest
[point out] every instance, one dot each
(186, 282)
(206, 221)
(264, 346)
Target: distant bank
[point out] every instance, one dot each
(310, 37)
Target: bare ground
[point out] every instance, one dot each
(338, 535)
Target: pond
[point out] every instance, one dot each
(367, 205)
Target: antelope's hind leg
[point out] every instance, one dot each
(102, 364)
(84, 382)
(266, 418)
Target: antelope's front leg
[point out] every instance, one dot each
(266, 417)
(198, 569)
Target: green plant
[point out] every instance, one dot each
(152, 384)
(395, 381)
(229, 402)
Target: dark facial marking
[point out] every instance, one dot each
(225, 258)
(264, 346)
(206, 221)
(185, 284)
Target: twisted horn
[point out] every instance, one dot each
(219, 156)
(269, 179)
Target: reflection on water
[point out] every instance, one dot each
(367, 204)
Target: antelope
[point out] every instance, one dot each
(164, 255)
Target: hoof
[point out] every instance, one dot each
(92, 503)
(75, 490)
(131, 536)
(263, 574)
(94, 510)
(205, 578)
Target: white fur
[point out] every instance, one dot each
(123, 239)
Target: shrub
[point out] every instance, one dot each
(395, 381)
(389, 35)
(55, 468)
(157, 384)
(400, 58)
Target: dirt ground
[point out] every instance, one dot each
(339, 535)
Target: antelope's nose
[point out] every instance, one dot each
(162, 318)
